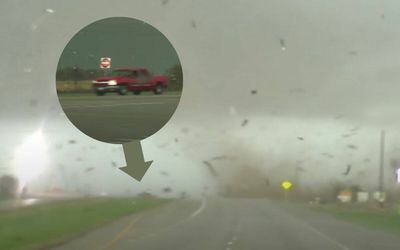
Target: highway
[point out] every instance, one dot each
(233, 224)
(119, 119)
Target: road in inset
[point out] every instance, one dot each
(119, 119)
(233, 224)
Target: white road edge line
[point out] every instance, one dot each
(184, 220)
(201, 208)
(321, 234)
(335, 242)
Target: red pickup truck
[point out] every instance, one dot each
(130, 79)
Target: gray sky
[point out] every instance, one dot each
(321, 69)
(128, 42)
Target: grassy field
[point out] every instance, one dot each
(69, 86)
(50, 224)
(388, 220)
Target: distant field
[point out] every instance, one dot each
(388, 220)
(44, 225)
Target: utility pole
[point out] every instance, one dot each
(381, 172)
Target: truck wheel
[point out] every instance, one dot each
(158, 90)
(123, 90)
(137, 92)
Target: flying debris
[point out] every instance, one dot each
(163, 145)
(210, 168)
(351, 146)
(347, 170)
(300, 138)
(338, 117)
(167, 190)
(267, 183)
(353, 52)
(254, 91)
(244, 122)
(164, 2)
(164, 173)
(328, 155)
(51, 11)
(176, 140)
(185, 130)
(348, 135)
(114, 164)
(72, 141)
(355, 129)
(87, 170)
(78, 159)
(282, 42)
(220, 157)
(194, 25)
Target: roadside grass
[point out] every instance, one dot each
(129, 95)
(49, 224)
(386, 220)
(69, 87)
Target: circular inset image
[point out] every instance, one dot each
(119, 79)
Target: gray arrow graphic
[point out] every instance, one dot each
(136, 167)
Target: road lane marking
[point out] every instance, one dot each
(238, 228)
(200, 209)
(121, 233)
(314, 230)
(321, 234)
(333, 241)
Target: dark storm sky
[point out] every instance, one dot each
(129, 43)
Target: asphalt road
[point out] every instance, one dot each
(119, 119)
(230, 224)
